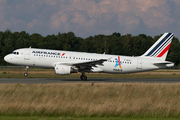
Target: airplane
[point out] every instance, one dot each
(67, 62)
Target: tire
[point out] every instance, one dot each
(25, 74)
(83, 77)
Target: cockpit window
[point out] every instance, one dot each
(15, 53)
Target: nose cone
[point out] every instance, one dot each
(7, 58)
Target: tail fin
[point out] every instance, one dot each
(160, 48)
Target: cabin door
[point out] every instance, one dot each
(27, 55)
(139, 64)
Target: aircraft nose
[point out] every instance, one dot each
(7, 58)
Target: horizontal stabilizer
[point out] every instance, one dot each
(162, 62)
(167, 63)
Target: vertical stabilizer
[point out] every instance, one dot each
(160, 48)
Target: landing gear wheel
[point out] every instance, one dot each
(83, 77)
(25, 74)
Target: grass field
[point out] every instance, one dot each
(87, 101)
(49, 73)
(91, 100)
(81, 118)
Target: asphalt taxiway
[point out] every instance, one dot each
(90, 80)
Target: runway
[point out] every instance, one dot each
(90, 80)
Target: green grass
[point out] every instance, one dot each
(49, 73)
(140, 76)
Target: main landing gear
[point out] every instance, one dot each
(26, 74)
(83, 77)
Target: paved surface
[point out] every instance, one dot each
(75, 80)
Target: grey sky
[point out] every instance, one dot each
(91, 17)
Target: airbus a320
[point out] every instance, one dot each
(67, 62)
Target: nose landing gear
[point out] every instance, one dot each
(26, 74)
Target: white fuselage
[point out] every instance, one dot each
(49, 58)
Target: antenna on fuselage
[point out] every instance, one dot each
(30, 47)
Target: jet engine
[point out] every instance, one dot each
(62, 70)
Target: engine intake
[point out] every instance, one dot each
(62, 70)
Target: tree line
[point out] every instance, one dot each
(110, 44)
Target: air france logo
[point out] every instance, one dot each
(118, 62)
(48, 52)
(63, 54)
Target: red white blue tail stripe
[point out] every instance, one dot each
(161, 46)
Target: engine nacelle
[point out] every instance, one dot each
(62, 70)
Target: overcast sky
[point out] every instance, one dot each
(91, 17)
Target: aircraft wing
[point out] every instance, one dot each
(87, 64)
